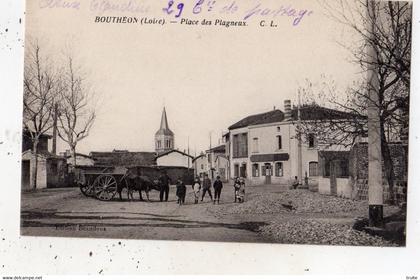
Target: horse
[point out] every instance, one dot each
(135, 182)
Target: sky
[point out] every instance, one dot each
(207, 77)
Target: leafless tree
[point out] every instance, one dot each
(40, 89)
(385, 28)
(76, 109)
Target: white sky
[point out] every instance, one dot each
(208, 78)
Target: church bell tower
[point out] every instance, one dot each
(164, 137)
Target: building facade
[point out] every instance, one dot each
(200, 165)
(174, 158)
(265, 148)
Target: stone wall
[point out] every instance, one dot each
(358, 167)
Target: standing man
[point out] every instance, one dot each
(164, 186)
(206, 187)
(217, 185)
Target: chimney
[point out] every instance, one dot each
(287, 109)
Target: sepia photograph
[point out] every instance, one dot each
(222, 121)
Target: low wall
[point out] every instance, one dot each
(344, 188)
(324, 186)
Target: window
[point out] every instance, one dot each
(159, 144)
(243, 170)
(240, 145)
(311, 140)
(343, 168)
(313, 168)
(255, 145)
(235, 145)
(279, 169)
(236, 170)
(279, 144)
(202, 166)
(339, 167)
(255, 170)
(266, 169)
(278, 129)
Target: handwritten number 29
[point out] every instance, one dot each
(169, 10)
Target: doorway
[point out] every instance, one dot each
(26, 174)
(268, 173)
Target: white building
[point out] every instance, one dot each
(174, 158)
(265, 149)
(200, 164)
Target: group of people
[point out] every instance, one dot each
(201, 189)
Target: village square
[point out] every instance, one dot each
(304, 162)
(293, 189)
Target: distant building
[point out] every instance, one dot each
(81, 159)
(164, 137)
(213, 162)
(265, 149)
(200, 165)
(124, 158)
(51, 169)
(27, 143)
(174, 158)
(218, 163)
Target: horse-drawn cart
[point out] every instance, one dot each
(102, 183)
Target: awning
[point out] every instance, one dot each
(270, 157)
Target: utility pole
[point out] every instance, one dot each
(54, 143)
(188, 149)
(374, 131)
(299, 142)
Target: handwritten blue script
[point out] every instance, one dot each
(288, 11)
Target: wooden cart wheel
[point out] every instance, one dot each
(105, 187)
(87, 187)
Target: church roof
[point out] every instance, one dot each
(164, 127)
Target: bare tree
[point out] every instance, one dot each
(40, 89)
(340, 122)
(76, 111)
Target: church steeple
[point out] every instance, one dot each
(164, 120)
(164, 137)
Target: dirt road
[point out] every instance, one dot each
(270, 214)
(66, 212)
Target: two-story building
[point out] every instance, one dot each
(214, 162)
(265, 149)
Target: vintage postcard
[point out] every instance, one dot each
(217, 120)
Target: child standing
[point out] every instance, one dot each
(196, 189)
(181, 190)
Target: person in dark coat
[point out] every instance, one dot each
(295, 183)
(218, 186)
(164, 181)
(206, 187)
(181, 191)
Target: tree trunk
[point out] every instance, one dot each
(388, 165)
(73, 155)
(34, 164)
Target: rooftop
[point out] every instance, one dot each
(307, 112)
